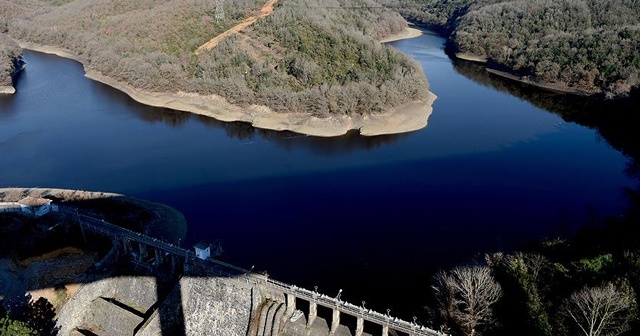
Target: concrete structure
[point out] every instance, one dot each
(248, 303)
(33, 206)
(203, 251)
(6, 207)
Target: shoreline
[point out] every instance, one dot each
(554, 87)
(471, 57)
(408, 33)
(551, 87)
(405, 118)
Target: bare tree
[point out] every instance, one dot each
(466, 295)
(607, 310)
(444, 291)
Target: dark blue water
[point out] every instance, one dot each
(373, 216)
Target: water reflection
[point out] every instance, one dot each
(7, 109)
(615, 120)
(352, 141)
(172, 118)
(358, 206)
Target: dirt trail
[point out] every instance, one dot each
(266, 10)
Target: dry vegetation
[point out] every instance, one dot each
(303, 57)
(9, 53)
(585, 45)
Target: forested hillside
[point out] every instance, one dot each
(584, 45)
(586, 285)
(303, 57)
(9, 52)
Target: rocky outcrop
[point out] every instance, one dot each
(16, 278)
(11, 63)
(7, 90)
(8, 73)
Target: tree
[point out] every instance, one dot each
(521, 275)
(25, 316)
(466, 296)
(10, 327)
(607, 310)
(40, 316)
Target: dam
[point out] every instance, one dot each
(178, 293)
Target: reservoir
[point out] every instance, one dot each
(494, 170)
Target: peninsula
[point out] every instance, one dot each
(276, 65)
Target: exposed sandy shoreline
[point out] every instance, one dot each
(551, 87)
(409, 117)
(406, 34)
(472, 58)
(7, 90)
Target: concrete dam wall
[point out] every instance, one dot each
(195, 306)
(186, 294)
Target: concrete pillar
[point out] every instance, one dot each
(158, 254)
(335, 321)
(313, 313)
(173, 264)
(359, 326)
(291, 305)
(143, 251)
(385, 330)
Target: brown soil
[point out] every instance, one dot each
(52, 255)
(266, 10)
(56, 296)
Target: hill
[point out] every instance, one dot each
(585, 46)
(321, 61)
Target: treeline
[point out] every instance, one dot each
(303, 57)
(587, 285)
(9, 54)
(584, 45)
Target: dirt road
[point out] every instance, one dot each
(266, 10)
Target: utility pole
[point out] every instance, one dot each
(219, 14)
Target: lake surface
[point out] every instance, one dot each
(373, 216)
